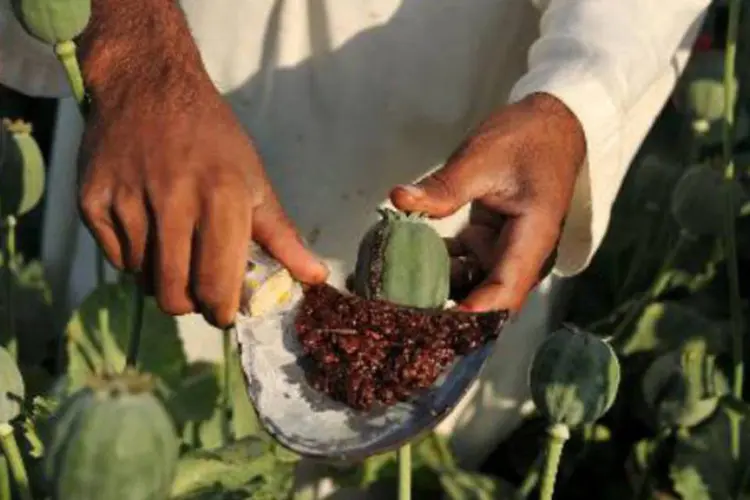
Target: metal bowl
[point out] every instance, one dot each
(313, 425)
(305, 420)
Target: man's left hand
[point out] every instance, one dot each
(518, 171)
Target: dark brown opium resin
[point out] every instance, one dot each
(367, 352)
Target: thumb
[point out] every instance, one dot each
(443, 192)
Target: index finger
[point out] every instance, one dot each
(273, 230)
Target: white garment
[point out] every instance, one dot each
(347, 98)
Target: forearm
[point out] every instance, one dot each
(143, 41)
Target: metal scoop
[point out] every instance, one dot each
(305, 420)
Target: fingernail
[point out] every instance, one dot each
(323, 270)
(464, 308)
(415, 191)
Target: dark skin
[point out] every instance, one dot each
(172, 188)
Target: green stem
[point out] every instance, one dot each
(32, 437)
(613, 315)
(645, 244)
(4, 479)
(742, 485)
(644, 489)
(730, 244)
(104, 330)
(10, 259)
(558, 435)
(643, 248)
(135, 334)
(226, 401)
(13, 455)
(730, 91)
(735, 427)
(657, 287)
(636, 264)
(699, 129)
(66, 53)
(101, 276)
(735, 306)
(404, 472)
(532, 477)
(446, 456)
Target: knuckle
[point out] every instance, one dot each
(516, 186)
(94, 202)
(443, 185)
(125, 195)
(273, 227)
(125, 205)
(166, 192)
(223, 198)
(229, 190)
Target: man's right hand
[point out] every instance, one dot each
(171, 186)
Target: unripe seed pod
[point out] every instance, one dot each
(403, 260)
(682, 388)
(112, 439)
(699, 200)
(21, 169)
(574, 377)
(701, 91)
(53, 21)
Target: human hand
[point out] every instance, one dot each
(172, 188)
(518, 170)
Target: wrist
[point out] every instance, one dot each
(562, 125)
(137, 44)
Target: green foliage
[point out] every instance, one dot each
(435, 473)
(702, 466)
(665, 326)
(12, 390)
(32, 310)
(98, 333)
(669, 290)
(196, 407)
(252, 467)
(682, 387)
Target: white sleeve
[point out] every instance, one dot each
(614, 63)
(27, 65)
